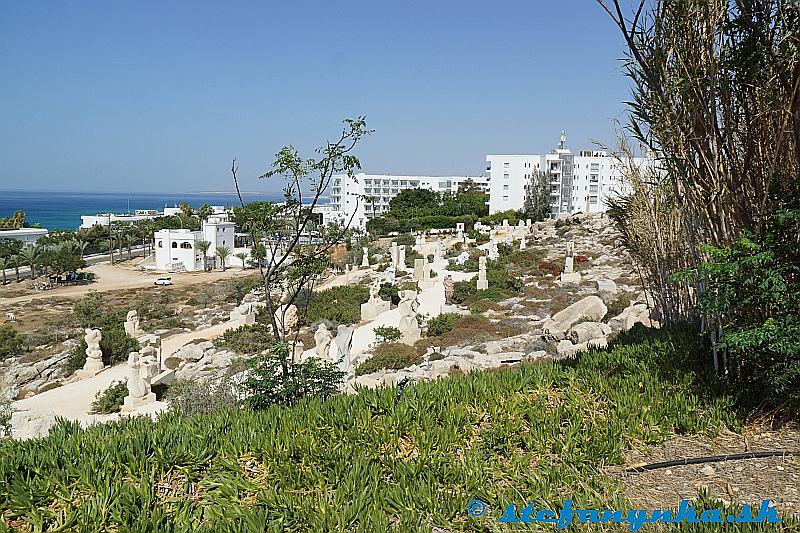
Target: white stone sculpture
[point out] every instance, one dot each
(244, 314)
(132, 324)
(94, 355)
(401, 257)
(344, 342)
(322, 339)
(409, 325)
(389, 275)
(462, 258)
(286, 318)
(365, 257)
(376, 305)
(140, 372)
(483, 284)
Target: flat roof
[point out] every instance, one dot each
(23, 231)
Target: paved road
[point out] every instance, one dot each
(24, 271)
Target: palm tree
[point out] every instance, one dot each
(222, 253)
(203, 247)
(3, 263)
(241, 256)
(80, 247)
(30, 255)
(130, 238)
(14, 262)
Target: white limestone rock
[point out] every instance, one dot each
(31, 424)
(590, 308)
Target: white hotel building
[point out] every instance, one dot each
(365, 196)
(578, 183)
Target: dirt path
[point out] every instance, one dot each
(74, 400)
(742, 481)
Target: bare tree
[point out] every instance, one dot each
(295, 258)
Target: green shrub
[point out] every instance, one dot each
(190, 397)
(111, 399)
(247, 339)
(89, 311)
(11, 341)
(441, 324)
(76, 359)
(479, 236)
(386, 333)
(340, 305)
(755, 285)
(390, 293)
(617, 306)
(463, 291)
(267, 384)
(116, 345)
(389, 356)
(6, 410)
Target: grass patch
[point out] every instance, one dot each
(542, 432)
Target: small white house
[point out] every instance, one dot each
(25, 235)
(177, 250)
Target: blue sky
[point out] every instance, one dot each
(148, 96)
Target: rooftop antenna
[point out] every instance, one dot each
(563, 140)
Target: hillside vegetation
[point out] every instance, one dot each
(376, 461)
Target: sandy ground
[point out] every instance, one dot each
(111, 278)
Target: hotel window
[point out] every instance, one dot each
(505, 187)
(186, 245)
(174, 244)
(593, 199)
(506, 165)
(505, 176)
(160, 244)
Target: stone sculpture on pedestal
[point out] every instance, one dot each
(94, 355)
(483, 284)
(409, 325)
(140, 371)
(449, 289)
(375, 306)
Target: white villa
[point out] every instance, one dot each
(25, 235)
(177, 251)
(578, 183)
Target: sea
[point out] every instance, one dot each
(62, 210)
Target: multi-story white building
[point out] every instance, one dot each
(365, 196)
(176, 249)
(578, 183)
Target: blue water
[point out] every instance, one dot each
(63, 210)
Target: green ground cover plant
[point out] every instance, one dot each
(541, 432)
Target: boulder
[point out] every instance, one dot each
(590, 308)
(606, 285)
(31, 424)
(586, 331)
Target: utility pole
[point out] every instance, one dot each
(110, 240)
